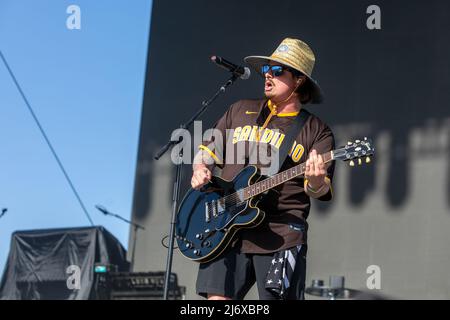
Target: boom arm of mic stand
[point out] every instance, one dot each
(205, 105)
(177, 183)
(137, 226)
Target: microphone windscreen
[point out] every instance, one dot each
(246, 74)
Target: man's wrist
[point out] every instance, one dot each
(198, 166)
(317, 192)
(201, 166)
(202, 160)
(315, 184)
(315, 189)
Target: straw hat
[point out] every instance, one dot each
(293, 53)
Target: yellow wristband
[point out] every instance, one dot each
(309, 188)
(211, 154)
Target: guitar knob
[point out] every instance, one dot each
(189, 245)
(197, 252)
(207, 244)
(199, 236)
(207, 231)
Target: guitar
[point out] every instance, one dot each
(208, 221)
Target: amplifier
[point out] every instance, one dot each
(137, 286)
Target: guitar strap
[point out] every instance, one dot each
(288, 141)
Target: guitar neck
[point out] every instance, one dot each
(280, 178)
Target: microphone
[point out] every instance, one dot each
(242, 72)
(102, 209)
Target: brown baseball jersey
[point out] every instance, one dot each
(250, 125)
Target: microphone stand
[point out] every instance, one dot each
(178, 176)
(136, 228)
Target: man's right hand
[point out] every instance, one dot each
(201, 176)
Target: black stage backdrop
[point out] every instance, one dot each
(45, 264)
(390, 84)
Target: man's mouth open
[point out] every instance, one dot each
(268, 86)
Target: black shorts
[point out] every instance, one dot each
(234, 273)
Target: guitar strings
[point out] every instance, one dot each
(232, 199)
(235, 198)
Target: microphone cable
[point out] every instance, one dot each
(165, 245)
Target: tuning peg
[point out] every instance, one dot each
(367, 159)
(357, 141)
(359, 161)
(349, 143)
(352, 163)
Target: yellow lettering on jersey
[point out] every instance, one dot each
(245, 133)
(253, 134)
(280, 141)
(297, 153)
(275, 138)
(267, 136)
(259, 134)
(236, 134)
(292, 148)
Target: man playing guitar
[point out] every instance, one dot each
(273, 254)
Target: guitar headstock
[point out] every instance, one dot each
(356, 150)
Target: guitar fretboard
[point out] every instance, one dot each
(280, 178)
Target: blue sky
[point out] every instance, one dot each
(86, 88)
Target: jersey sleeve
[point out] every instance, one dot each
(214, 142)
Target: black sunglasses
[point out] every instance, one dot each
(276, 70)
(279, 70)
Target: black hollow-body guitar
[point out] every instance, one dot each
(208, 221)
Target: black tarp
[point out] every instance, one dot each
(59, 263)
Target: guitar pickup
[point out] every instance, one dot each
(210, 208)
(207, 212)
(215, 208)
